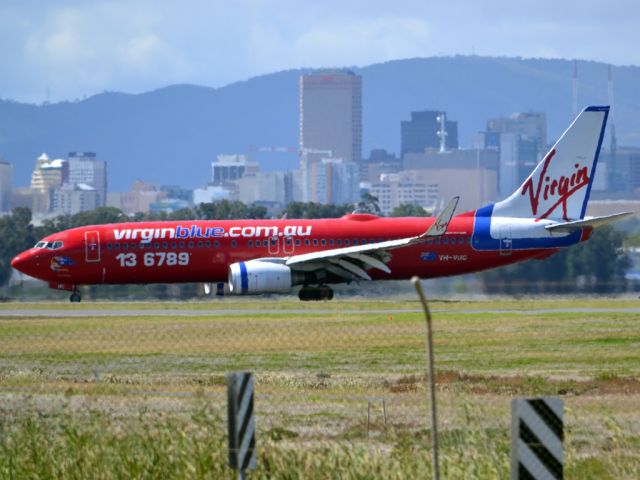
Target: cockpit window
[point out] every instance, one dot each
(50, 245)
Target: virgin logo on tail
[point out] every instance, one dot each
(559, 190)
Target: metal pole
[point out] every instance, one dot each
(432, 390)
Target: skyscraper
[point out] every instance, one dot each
(47, 176)
(521, 140)
(86, 169)
(422, 132)
(6, 178)
(331, 113)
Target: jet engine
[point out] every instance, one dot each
(259, 276)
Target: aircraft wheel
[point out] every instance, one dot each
(315, 294)
(325, 293)
(75, 297)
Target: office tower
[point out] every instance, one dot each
(521, 140)
(423, 132)
(6, 179)
(331, 113)
(47, 176)
(226, 168)
(86, 169)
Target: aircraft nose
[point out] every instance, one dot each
(25, 263)
(17, 261)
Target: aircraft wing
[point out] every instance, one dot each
(351, 262)
(587, 222)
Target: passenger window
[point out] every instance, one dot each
(208, 244)
(250, 243)
(307, 242)
(109, 246)
(347, 243)
(156, 245)
(216, 243)
(191, 244)
(125, 246)
(315, 242)
(165, 245)
(298, 242)
(234, 243)
(174, 245)
(117, 245)
(339, 242)
(323, 242)
(331, 242)
(355, 241)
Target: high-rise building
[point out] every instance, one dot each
(423, 132)
(329, 180)
(6, 183)
(47, 176)
(86, 169)
(331, 113)
(227, 168)
(625, 178)
(477, 167)
(521, 140)
(527, 125)
(395, 189)
(73, 198)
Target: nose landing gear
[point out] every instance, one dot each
(75, 297)
(321, 292)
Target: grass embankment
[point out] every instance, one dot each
(139, 396)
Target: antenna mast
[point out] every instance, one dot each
(575, 88)
(613, 146)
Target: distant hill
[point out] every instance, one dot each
(171, 135)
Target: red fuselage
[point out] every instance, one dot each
(202, 251)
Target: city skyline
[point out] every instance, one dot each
(67, 50)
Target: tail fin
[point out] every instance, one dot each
(559, 186)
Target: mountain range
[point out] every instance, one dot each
(171, 135)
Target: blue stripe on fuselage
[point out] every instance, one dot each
(482, 239)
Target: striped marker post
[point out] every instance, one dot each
(536, 438)
(242, 438)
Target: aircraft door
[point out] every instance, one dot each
(506, 240)
(92, 246)
(288, 245)
(274, 245)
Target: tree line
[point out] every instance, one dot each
(598, 265)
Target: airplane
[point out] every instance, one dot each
(544, 215)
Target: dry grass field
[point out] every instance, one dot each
(136, 394)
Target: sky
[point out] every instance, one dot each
(67, 50)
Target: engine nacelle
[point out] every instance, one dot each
(256, 276)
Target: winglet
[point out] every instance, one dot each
(439, 227)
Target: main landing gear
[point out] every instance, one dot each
(322, 292)
(75, 297)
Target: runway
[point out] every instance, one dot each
(79, 313)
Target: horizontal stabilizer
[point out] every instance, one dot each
(587, 222)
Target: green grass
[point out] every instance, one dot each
(158, 405)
